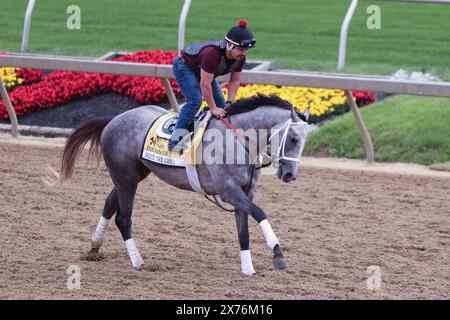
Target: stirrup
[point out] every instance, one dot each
(183, 144)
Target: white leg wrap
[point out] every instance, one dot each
(100, 233)
(136, 259)
(270, 236)
(246, 263)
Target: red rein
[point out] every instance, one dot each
(236, 131)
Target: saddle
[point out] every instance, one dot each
(168, 126)
(155, 146)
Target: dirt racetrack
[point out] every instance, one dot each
(332, 223)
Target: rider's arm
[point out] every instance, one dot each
(206, 79)
(233, 85)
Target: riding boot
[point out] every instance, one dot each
(177, 135)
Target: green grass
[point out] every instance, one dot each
(402, 128)
(296, 34)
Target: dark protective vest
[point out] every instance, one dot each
(193, 52)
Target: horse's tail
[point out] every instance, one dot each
(85, 132)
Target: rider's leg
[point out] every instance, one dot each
(218, 95)
(190, 86)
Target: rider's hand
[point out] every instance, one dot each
(218, 112)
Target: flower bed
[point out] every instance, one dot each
(31, 91)
(144, 89)
(63, 86)
(323, 102)
(29, 76)
(9, 76)
(363, 98)
(13, 77)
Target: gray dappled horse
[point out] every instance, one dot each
(120, 140)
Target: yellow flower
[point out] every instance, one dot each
(319, 100)
(9, 77)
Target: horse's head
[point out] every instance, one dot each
(292, 137)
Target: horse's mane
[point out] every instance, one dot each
(249, 104)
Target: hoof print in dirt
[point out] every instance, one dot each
(93, 255)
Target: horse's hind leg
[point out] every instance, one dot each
(126, 191)
(123, 221)
(111, 207)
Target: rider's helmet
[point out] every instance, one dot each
(241, 36)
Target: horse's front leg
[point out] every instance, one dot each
(244, 242)
(233, 194)
(274, 244)
(271, 238)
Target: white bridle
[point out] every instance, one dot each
(281, 146)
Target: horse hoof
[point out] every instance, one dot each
(279, 263)
(93, 255)
(139, 266)
(249, 272)
(96, 244)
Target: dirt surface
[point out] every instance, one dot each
(333, 223)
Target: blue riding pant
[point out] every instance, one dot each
(190, 86)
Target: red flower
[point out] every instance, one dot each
(363, 98)
(63, 86)
(29, 75)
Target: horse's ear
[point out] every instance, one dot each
(306, 113)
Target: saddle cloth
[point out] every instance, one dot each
(155, 148)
